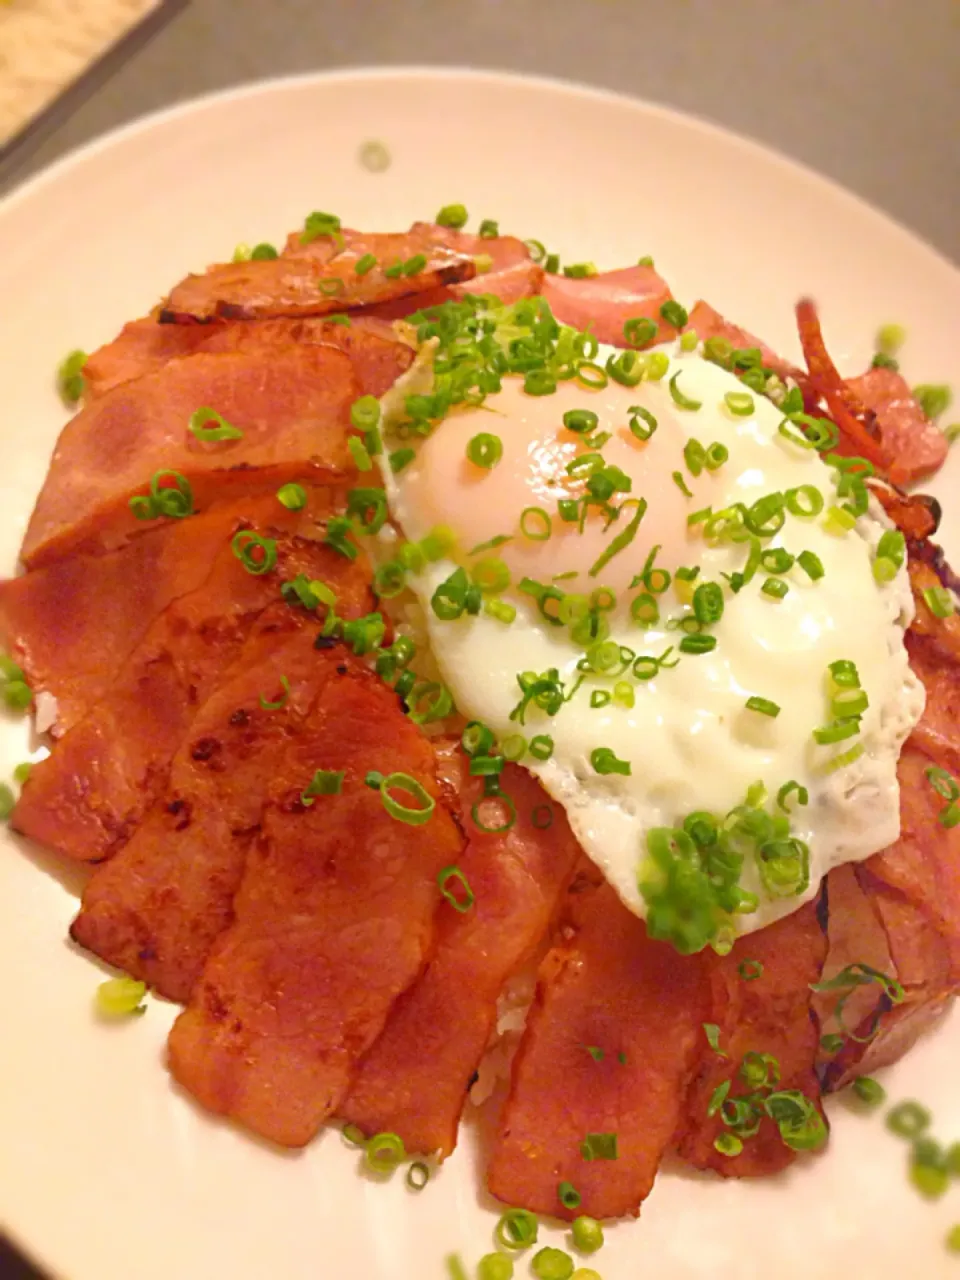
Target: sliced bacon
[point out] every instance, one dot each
(414, 1080)
(292, 407)
(72, 626)
(156, 909)
(144, 346)
(857, 423)
(334, 919)
(771, 1014)
(916, 446)
(606, 301)
(512, 274)
(916, 515)
(318, 278)
(607, 987)
(706, 323)
(86, 799)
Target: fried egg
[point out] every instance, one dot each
(696, 716)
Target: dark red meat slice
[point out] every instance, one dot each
(610, 988)
(87, 798)
(145, 345)
(916, 446)
(318, 278)
(414, 1080)
(292, 407)
(334, 919)
(771, 1014)
(606, 301)
(73, 625)
(709, 323)
(156, 909)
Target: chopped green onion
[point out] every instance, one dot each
(939, 601)
(716, 455)
(568, 1195)
(174, 501)
(776, 588)
(787, 790)
(908, 1120)
(360, 454)
(453, 216)
(224, 430)
(516, 1229)
(121, 997)
(337, 536)
(890, 338)
(882, 361)
(506, 809)
(604, 761)
(933, 399)
(807, 500)
(413, 815)
(627, 368)
(645, 261)
(325, 782)
(455, 1268)
(500, 610)
(495, 1266)
(639, 330)
(485, 450)
(17, 694)
(319, 224)
(580, 270)
(638, 414)
(460, 896)
(489, 229)
(413, 266)
(839, 521)
(368, 507)
(292, 496)
(599, 1146)
(400, 458)
(764, 706)
(587, 1234)
(674, 313)
(645, 610)
(681, 484)
(541, 746)
(811, 564)
(750, 970)
(708, 603)
(694, 455)
(20, 774)
(552, 1264)
(697, 644)
(70, 381)
(623, 539)
(281, 701)
(728, 1144)
(869, 1091)
(257, 555)
(535, 524)
(679, 399)
(689, 341)
(384, 1151)
(740, 403)
(580, 421)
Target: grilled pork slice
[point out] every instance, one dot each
(143, 346)
(73, 625)
(86, 799)
(334, 919)
(917, 445)
(292, 407)
(770, 1014)
(321, 277)
(414, 1080)
(156, 909)
(609, 1047)
(606, 301)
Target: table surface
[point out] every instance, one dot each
(865, 91)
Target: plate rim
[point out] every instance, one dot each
(77, 156)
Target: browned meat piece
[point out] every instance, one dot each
(333, 920)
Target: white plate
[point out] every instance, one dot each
(106, 1172)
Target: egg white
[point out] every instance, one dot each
(690, 741)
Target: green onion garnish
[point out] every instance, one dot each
(637, 415)
(639, 330)
(728, 1144)
(776, 588)
(947, 788)
(319, 224)
(541, 746)
(933, 399)
(580, 421)
(257, 555)
(740, 403)
(517, 1229)
(281, 701)
(604, 761)
(708, 603)
(587, 1234)
(681, 484)
(624, 538)
(697, 644)
(121, 997)
(485, 450)
(489, 229)
(455, 887)
(174, 501)
(337, 536)
(568, 1195)
(764, 706)
(413, 815)
(806, 500)
(674, 313)
(199, 426)
(580, 270)
(70, 376)
(292, 496)
(502, 806)
(365, 264)
(535, 524)
(811, 564)
(452, 215)
(787, 790)
(750, 970)
(869, 1091)
(400, 458)
(689, 341)
(627, 368)
(939, 601)
(599, 1146)
(908, 1120)
(384, 1151)
(368, 507)
(360, 454)
(552, 1264)
(325, 782)
(495, 1266)
(679, 399)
